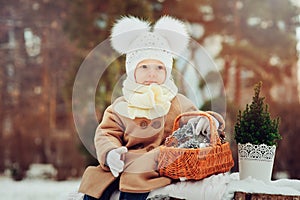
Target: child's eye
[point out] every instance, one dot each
(160, 67)
(144, 66)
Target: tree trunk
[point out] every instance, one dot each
(259, 196)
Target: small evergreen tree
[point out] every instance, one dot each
(254, 124)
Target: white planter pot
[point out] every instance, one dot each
(256, 161)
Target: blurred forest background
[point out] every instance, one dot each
(43, 43)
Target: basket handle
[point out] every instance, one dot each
(214, 136)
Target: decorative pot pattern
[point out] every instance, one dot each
(260, 152)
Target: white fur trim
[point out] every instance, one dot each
(125, 31)
(174, 31)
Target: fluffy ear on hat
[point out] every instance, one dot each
(174, 31)
(125, 30)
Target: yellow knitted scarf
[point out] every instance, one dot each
(149, 101)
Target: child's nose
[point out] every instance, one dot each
(152, 72)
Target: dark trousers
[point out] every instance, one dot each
(123, 195)
(133, 196)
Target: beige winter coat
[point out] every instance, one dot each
(142, 137)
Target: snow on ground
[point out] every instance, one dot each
(281, 187)
(221, 186)
(37, 189)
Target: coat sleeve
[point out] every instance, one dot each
(186, 105)
(108, 135)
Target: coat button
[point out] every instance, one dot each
(156, 124)
(143, 124)
(150, 148)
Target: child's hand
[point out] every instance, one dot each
(114, 161)
(203, 126)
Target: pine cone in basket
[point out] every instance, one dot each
(185, 137)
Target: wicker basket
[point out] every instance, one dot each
(195, 164)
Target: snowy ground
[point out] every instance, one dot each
(220, 186)
(36, 189)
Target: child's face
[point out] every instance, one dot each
(150, 71)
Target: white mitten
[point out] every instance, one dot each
(114, 161)
(203, 126)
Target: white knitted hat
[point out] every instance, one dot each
(139, 41)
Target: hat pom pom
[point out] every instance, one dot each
(125, 30)
(174, 31)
